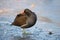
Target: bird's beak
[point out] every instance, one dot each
(22, 12)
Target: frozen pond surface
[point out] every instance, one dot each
(38, 32)
(46, 28)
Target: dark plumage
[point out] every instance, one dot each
(26, 19)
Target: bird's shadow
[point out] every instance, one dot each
(26, 37)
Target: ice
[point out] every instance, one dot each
(11, 32)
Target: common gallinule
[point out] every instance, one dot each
(26, 19)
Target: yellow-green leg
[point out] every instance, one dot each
(24, 34)
(24, 31)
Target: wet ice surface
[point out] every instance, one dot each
(40, 31)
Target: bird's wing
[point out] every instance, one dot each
(23, 25)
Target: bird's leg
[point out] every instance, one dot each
(24, 31)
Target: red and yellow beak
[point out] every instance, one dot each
(22, 12)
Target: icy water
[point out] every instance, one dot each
(47, 26)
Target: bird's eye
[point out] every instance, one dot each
(18, 15)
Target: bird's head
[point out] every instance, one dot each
(28, 12)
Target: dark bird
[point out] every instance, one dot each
(26, 19)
